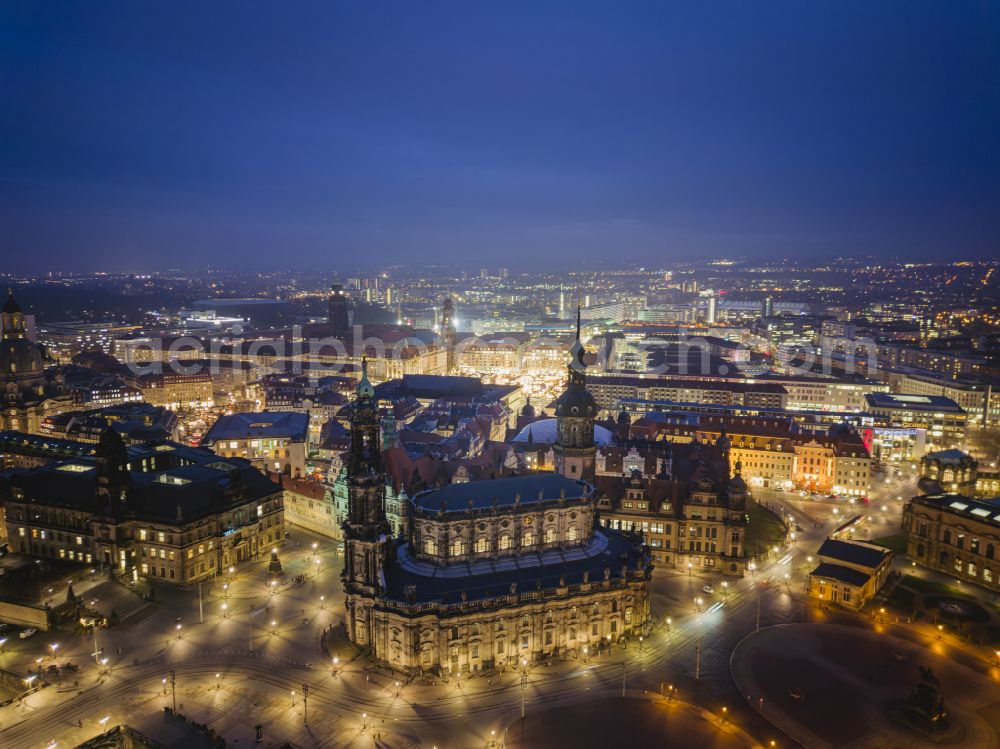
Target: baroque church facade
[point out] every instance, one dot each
(28, 396)
(494, 572)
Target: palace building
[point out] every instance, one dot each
(164, 511)
(489, 573)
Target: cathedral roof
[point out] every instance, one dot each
(505, 492)
(611, 553)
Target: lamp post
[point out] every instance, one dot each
(178, 630)
(173, 688)
(225, 611)
(2, 641)
(305, 704)
(53, 647)
(164, 680)
(218, 680)
(524, 690)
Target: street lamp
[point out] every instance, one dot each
(322, 602)
(164, 680)
(2, 641)
(669, 622)
(274, 627)
(225, 611)
(940, 629)
(218, 678)
(179, 630)
(364, 721)
(54, 646)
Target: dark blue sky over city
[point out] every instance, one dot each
(141, 135)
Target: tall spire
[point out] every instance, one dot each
(365, 389)
(577, 364)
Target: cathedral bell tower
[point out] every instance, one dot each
(366, 530)
(576, 410)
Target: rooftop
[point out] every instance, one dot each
(913, 402)
(610, 553)
(259, 424)
(841, 574)
(983, 510)
(853, 552)
(506, 492)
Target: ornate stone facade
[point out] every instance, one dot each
(487, 573)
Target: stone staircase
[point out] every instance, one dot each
(110, 595)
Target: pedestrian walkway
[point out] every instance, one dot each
(829, 686)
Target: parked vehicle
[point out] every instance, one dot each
(709, 589)
(26, 633)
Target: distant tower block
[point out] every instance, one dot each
(448, 331)
(338, 315)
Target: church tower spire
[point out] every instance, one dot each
(575, 448)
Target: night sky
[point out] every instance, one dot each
(137, 135)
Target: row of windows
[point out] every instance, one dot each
(43, 534)
(458, 547)
(975, 547)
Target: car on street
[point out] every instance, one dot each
(26, 633)
(709, 589)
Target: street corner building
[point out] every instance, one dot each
(163, 511)
(488, 573)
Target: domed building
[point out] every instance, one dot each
(27, 398)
